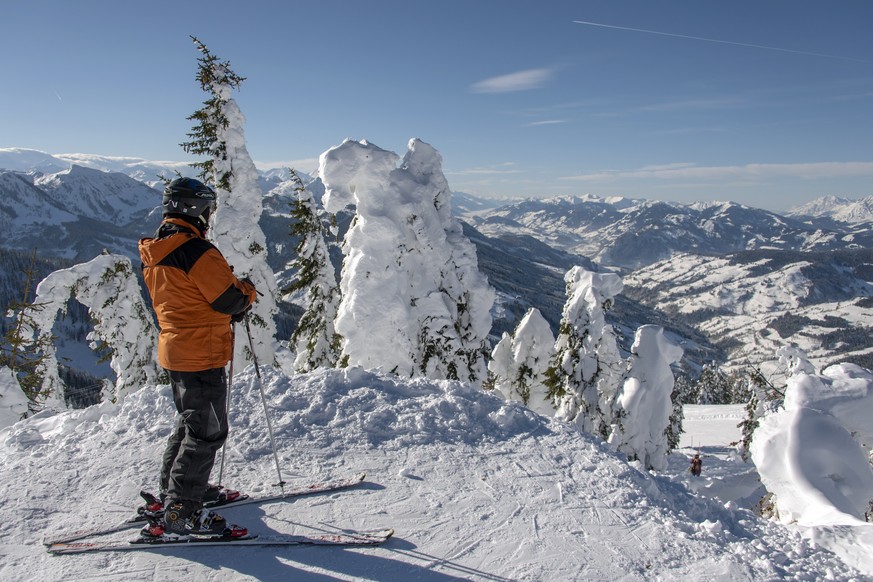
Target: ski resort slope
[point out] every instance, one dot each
(476, 488)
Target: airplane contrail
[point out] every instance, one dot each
(758, 46)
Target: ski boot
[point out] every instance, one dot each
(154, 506)
(214, 495)
(183, 520)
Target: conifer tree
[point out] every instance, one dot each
(713, 386)
(414, 302)
(764, 398)
(218, 134)
(677, 415)
(587, 370)
(216, 78)
(519, 363)
(23, 353)
(107, 286)
(315, 340)
(645, 404)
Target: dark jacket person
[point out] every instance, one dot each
(194, 293)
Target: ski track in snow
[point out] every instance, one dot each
(475, 487)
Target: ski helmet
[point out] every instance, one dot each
(189, 199)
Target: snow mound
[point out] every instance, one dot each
(795, 449)
(477, 488)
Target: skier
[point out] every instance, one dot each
(196, 296)
(696, 465)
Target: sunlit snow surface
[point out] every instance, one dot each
(476, 488)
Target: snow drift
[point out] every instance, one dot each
(476, 487)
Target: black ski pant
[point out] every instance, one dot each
(200, 430)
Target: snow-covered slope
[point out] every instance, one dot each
(754, 302)
(113, 197)
(476, 488)
(27, 160)
(631, 234)
(26, 208)
(76, 213)
(836, 208)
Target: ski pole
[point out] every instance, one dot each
(281, 483)
(227, 397)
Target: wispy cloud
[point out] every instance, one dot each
(686, 171)
(546, 122)
(716, 40)
(518, 81)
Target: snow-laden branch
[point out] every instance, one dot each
(106, 285)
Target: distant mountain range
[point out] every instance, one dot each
(629, 234)
(837, 209)
(753, 302)
(729, 282)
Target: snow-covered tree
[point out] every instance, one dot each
(587, 369)
(645, 405)
(229, 168)
(519, 363)
(413, 300)
(107, 286)
(764, 399)
(812, 454)
(687, 388)
(315, 340)
(677, 414)
(794, 360)
(23, 354)
(713, 385)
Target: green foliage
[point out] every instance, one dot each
(23, 354)
(522, 382)
(764, 397)
(713, 386)
(674, 430)
(212, 73)
(557, 379)
(314, 274)
(687, 388)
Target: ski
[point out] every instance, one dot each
(371, 538)
(139, 520)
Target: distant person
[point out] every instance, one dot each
(195, 295)
(696, 465)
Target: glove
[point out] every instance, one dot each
(238, 317)
(250, 282)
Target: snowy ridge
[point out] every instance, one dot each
(27, 160)
(76, 213)
(632, 234)
(475, 487)
(754, 302)
(836, 208)
(101, 195)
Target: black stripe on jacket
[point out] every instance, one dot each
(231, 301)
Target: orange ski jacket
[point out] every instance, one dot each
(194, 293)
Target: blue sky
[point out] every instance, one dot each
(767, 103)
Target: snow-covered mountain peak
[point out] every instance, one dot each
(91, 193)
(836, 208)
(823, 206)
(29, 160)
